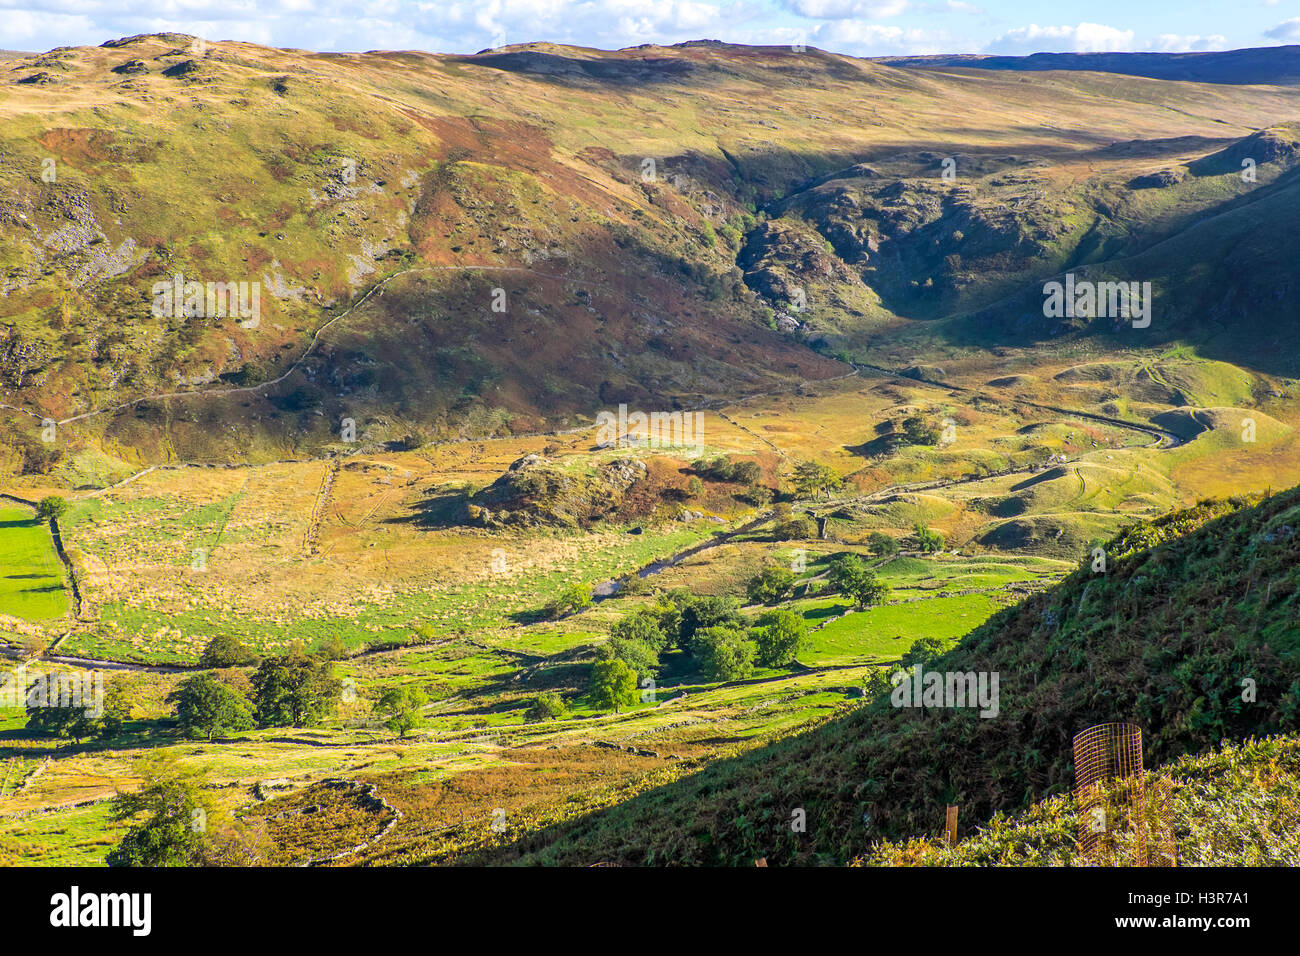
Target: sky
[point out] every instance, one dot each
(856, 27)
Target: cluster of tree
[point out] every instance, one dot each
(724, 469)
(710, 630)
(847, 574)
(927, 539)
(917, 431)
(85, 720)
(812, 479)
(743, 472)
(292, 690)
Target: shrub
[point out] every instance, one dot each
(572, 597)
(797, 528)
(548, 706)
(881, 544)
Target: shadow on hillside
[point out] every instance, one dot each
(557, 68)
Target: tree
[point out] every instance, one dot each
(225, 650)
(572, 597)
(694, 487)
(927, 539)
(724, 653)
(645, 625)
(401, 707)
(797, 528)
(613, 685)
(924, 651)
(706, 611)
(779, 636)
(917, 432)
(51, 507)
(64, 711)
(548, 706)
(855, 580)
(205, 707)
(294, 691)
(881, 544)
(770, 585)
(75, 722)
(812, 478)
(117, 709)
(174, 832)
(636, 654)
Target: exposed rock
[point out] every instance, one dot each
(1157, 180)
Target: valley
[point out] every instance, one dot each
(394, 470)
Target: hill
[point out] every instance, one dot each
(505, 243)
(1190, 610)
(1275, 64)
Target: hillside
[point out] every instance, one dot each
(1238, 805)
(1276, 64)
(390, 460)
(1188, 608)
(465, 246)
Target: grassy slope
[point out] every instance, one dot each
(31, 579)
(1163, 639)
(1236, 806)
(488, 161)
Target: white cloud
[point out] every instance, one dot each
(1084, 38)
(845, 9)
(874, 39)
(1288, 30)
(455, 26)
(1175, 43)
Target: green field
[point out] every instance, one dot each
(31, 580)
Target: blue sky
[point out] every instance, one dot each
(858, 27)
